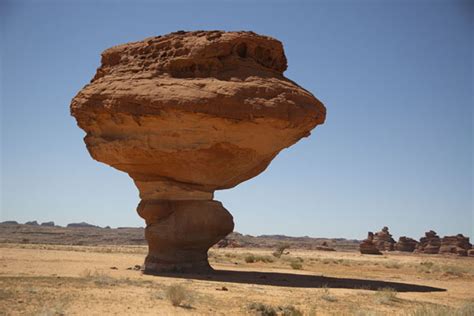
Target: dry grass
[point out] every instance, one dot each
(179, 295)
(386, 296)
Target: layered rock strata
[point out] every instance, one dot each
(368, 246)
(458, 244)
(186, 114)
(406, 244)
(429, 244)
(383, 240)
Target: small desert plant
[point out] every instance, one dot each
(178, 294)
(296, 265)
(326, 294)
(392, 265)
(386, 296)
(289, 310)
(263, 309)
(280, 249)
(249, 258)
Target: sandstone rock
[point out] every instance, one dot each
(406, 244)
(9, 223)
(32, 223)
(458, 244)
(383, 240)
(429, 244)
(470, 252)
(186, 114)
(48, 224)
(368, 246)
(228, 243)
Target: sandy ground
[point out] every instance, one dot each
(78, 280)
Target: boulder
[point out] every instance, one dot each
(324, 247)
(368, 246)
(186, 114)
(406, 244)
(458, 244)
(429, 244)
(383, 240)
(470, 252)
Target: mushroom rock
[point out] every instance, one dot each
(406, 244)
(186, 114)
(368, 246)
(458, 244)
(429, 244)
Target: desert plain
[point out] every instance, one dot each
(71, 279)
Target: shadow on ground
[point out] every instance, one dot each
(300, 280)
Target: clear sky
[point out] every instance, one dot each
(396, 78)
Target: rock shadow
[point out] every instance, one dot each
(300, 280)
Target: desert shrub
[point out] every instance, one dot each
(296, 265)
(290, 310)
(178, 294)
(99, 278)
(467, 309)
(385, 296)
(280, 249)
(454, 270)
(392, 265)
(263, 309)
(326, 294)
(249, 258)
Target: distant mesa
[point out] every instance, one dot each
(81, 225)
(32, 223)
(48, 224)
(9, 223)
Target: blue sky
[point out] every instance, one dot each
(396, 78)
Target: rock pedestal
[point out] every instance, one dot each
(186, 114)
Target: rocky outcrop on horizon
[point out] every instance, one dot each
(429, 244)
(48, 224)
(458, 244)
(383, 240)
(406, 244)
(368, 246)
(81, 225)
(186, 114)
(33, 223)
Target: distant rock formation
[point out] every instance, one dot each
(406, 244)
(186, 114)
(228, 243)
(383, 240)
(470, 252)
(32, 223)
(9, 223)
(48, 224)
(81, 224)
(368, 246)
(429, 244)
(458, 244)
(324, 247)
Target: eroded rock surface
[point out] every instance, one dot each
(406, 244)
(429, 244)
(186, 114)
(383, 240)
(368, 246)
(458, 244)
